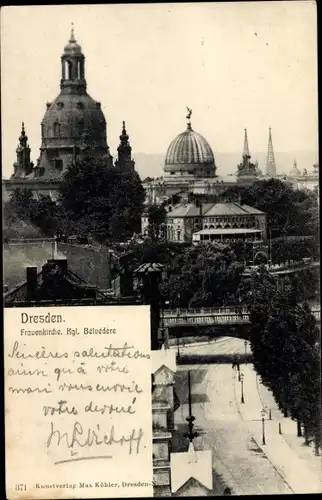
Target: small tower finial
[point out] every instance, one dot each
(189, 118)
(23, 128)
(72, 34)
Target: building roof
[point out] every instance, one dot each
(231, 209)
(189, 147)
(230, 230)
(189, 150)
(212, 209)
(191, 464)
(162, 358)
(188, 210)
(55, 283)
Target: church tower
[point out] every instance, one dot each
(22, 166)
(246, 170)
(124, 161)
(270, 162)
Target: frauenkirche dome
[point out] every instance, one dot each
(73, 121)
(190, 154)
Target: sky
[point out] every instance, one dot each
(237, 65)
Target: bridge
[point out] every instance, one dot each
(229, 316)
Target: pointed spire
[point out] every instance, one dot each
(294, 163)
(124, 136)
(23, 138)
(72, 38)
(270, 162)
(246, 147)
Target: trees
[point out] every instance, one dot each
(202, 276)
(101, 199)
(25, 216)
(289, 211)
(156, 218)
(284, 341)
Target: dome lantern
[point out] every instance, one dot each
(73, 66)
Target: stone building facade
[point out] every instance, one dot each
(225, 220)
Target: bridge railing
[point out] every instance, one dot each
(205, 311)
(201, 317)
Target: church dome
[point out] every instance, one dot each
(73, 122)
(294, 171)
(190, 153)
(72, 118)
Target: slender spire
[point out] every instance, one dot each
(270, 162)
(246, 148)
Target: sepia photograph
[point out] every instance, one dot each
(161, 258)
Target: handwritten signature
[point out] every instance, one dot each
(94, 437)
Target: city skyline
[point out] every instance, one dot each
(255, 89)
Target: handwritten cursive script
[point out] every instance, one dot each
(93, 437)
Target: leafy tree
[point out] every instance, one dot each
(19, 207)
(202, 276)
(156, 219)
(101, 199)
(289, 211)
(284, 342)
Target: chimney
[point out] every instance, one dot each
(62, 263)
(31, 282)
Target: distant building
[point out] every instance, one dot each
(73, 125)
(304, 179)
(188, 222)
(190, 166)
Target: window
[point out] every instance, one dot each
(67, 70)
(59, 164)
(56, 129)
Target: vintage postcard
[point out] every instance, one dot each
(161, 251)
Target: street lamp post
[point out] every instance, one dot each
(245, 344)
(242, 388)
(263, 413)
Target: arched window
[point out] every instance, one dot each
(79, 73)
(67, 70)
(56, 129)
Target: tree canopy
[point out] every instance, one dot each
(285, 340)
(102, 200)
(289, 211)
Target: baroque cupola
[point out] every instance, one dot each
(22, 166)
(124, 152)
(74, 121)
(189, 154)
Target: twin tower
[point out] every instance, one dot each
(270, 159)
